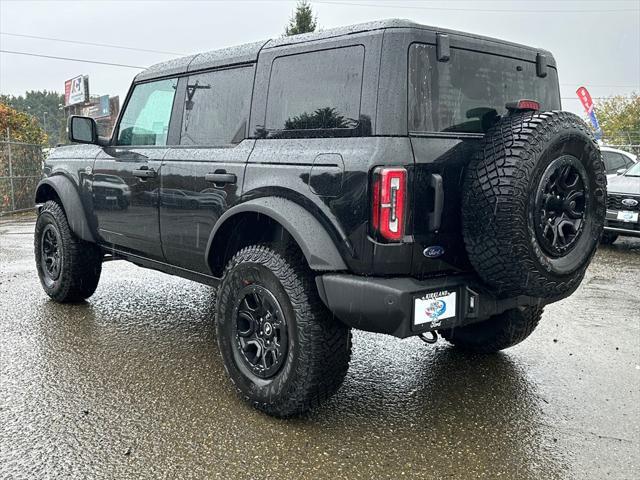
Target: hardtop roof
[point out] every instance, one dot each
(248, 52)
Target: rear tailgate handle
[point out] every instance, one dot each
(144, 172)
(220, 177)
(435, 218)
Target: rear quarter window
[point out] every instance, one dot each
(318, 90)
(464, 93)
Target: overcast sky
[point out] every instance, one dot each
(596, 42)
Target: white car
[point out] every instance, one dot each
(623, 205)
(617, 161)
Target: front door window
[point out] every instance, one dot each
(146, 117)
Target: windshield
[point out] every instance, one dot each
(468, 92)
(633, 171)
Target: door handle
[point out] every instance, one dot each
(144, 173)
(221, 177)
(435, 218)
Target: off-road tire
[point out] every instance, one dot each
(319, 346)
(608, 238)
(80, 261)
(499, 209)
(497, 333)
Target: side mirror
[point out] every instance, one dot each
(83, 129)
(621, 171)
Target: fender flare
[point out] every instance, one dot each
(314, 241)
(71, 203)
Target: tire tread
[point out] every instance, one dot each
(497, 333)
(326, 343)
(82, 261)
(494, 208)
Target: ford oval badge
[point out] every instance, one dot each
(434, 251)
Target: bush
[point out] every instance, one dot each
(22, 137)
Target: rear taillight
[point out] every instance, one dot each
(388, 198)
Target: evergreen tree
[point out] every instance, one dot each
(302, 20)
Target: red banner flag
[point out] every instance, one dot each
(585, 98)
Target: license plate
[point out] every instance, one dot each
(627, 216)
(431, 308)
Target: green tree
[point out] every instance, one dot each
(619, 118)
(45, 106)
(322, 118)
(302, 20)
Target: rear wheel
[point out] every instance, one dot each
(282, 349)
(69, 268)
(497, 333)
(608, 238)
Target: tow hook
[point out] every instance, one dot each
(429, 337)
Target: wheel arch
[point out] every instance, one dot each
(271, 218)
(59, 188)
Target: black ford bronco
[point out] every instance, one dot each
(389, 177)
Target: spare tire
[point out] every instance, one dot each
(534, 204)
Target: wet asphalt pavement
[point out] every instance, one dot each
(130, 385)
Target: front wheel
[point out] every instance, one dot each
(281, 347)
(69, 268)
(497, 333)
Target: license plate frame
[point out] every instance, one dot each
(433, 309)
(627, 216)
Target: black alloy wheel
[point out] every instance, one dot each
(283, 350)
(561, 204)
(50, 254)
(534, 204)
(260, 331)
(68, 267)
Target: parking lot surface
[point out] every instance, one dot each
(130, 385)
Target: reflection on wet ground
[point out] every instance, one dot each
(130, 385)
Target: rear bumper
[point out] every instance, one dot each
(386, 305)
(613, 225)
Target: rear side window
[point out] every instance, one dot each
(613, 161)
(145, 120)
(316, 90)
(465, 93)
(216, 107)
